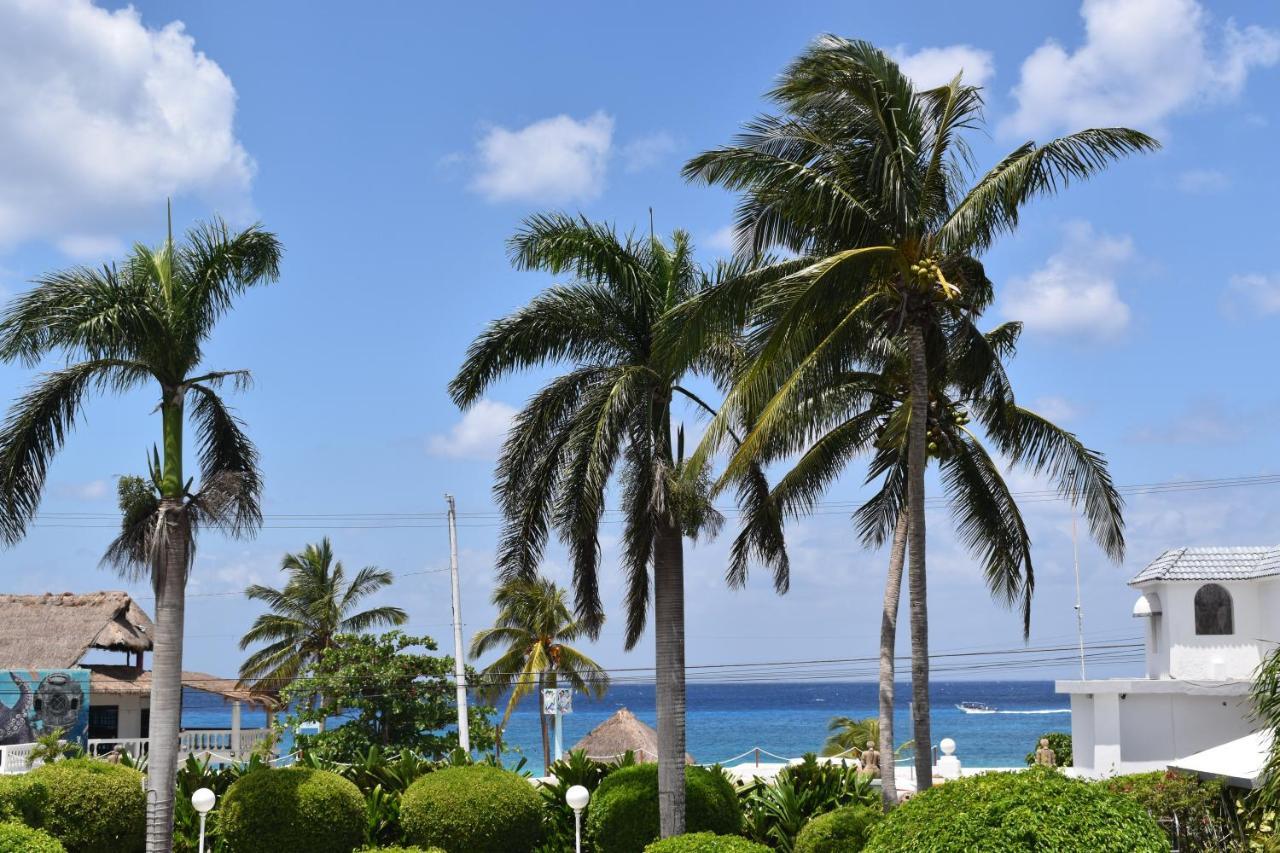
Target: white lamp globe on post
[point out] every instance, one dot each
(202, 801)
(577, 798)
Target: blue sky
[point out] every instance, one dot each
(394, 149)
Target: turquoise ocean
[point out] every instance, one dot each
(783, 718)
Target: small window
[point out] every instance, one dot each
(1213, 610)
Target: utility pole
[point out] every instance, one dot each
(459, 669)
(1075, 551)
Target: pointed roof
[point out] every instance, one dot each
(1211, 564)
(619, 734)
(55, 630)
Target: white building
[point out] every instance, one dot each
(1211, 615)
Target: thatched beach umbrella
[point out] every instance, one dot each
(619, 734)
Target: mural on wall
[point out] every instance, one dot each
(37, 702)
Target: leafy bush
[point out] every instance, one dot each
(1036, 809)
(22, 799)
(16, 838)
(776, 811)
(194, 774)
(292, 810)
(844, 830)
(93, 806)
(1059, 742)
(402, 850)
(1195, 815)
(479, 809)
(706, 842)
(623, 814)
(576, 769)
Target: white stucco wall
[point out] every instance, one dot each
(1180, 653)
(1164, 727)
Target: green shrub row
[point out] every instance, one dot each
(17, 838)
(87, 806)
(706, 842)
(623, 814)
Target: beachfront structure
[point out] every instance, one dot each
(622, 733)
(1210, 616)
(45, 683)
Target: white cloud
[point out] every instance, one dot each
(936, 66)
(1253, 293)
(647, 151)
(1203, 181)
(720, 240)
(1141, 61)
(1055, 408)
(1075, 291)
(479, 435)
(102, 118)
(556, 159)
(92, 490)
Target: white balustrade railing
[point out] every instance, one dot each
(199, 742)
(16, 758)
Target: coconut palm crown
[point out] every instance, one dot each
(143, 322)
(533, 628)
(869, 181)
(316, 604)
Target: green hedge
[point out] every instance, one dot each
(477, 809)
(623, 814)
(398, 849)
(292, 810)
(92, 806)
(841, 831)
(22, 798)
(16, 838)
(1195, 815)
(1035, 809)
(706, 842)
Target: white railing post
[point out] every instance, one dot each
(235, 729)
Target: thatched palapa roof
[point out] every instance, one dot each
(54, 631)
(619, 734)
(108, 679)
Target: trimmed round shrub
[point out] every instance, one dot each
(476, 809)
(22, 798)
(706, 842)
(622, 816)
(92, 806)
(16, 838)
(1036, 809)
(398, 849)
(292, 810)
(844, 830)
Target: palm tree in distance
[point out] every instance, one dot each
(119, 328)
(868, 180)
(533, 628)
(316, 604)
(610, 413)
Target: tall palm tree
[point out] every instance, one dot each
(868, 180)
(119, 328)
(315, 605)
(533, 627)
(611, 410)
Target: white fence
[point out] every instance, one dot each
(226, 744)
(16, 758)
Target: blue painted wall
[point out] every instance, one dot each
(34, 702)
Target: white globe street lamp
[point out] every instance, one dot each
(577, 798)
(202, 801)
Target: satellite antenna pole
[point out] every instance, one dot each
(459, 669)
(1075, 551)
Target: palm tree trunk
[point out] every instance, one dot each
(542, 722)
(917, 459)
(668, 623)
(888, 641)
(166, 676)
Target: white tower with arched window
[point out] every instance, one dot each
(1210, 615)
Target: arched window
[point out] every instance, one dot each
(1213, 610)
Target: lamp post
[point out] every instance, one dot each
(577, 798)
(202, 801)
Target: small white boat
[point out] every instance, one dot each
(976, 708)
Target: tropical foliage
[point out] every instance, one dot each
(143, 322)
(867, 181)
(533, 628)
(316, 604)
(774, 812)
(387, 695)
